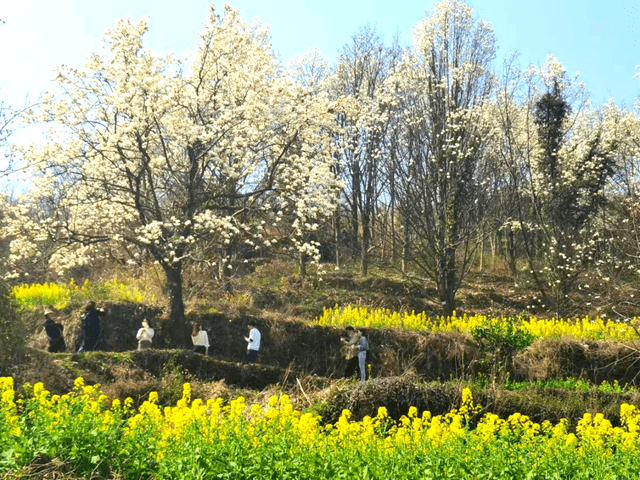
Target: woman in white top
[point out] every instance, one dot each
(200, 340)
(144, 336)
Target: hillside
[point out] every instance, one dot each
(416, 368)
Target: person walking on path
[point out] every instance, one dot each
(200, 340)
(350, 352)
(144, 336)
(91, 328)
(363, 350)
(253, 343)
(54, 332)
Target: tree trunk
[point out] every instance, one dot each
(447, 281)
(392, 220)
(383, 227)
(492, 242)
(302, 266)
(176, 329)
(511, 252)
(336, 229)
(482, 240)
(364, 246)
(355, 211)
(406, 251)
(222, 268)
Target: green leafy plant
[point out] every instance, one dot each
(500, 341)
(13, 332)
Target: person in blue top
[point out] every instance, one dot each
(253, 343)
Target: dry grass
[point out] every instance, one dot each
(572, 358)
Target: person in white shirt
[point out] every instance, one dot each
(253, 343)
(200, 340)
(144, 336)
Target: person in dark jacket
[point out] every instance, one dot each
(54, 332)
(90, 327)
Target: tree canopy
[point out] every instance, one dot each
(422, 153)
(148, 157)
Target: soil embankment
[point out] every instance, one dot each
(409, 368)
(309, 349)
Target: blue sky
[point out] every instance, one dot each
(598, 39)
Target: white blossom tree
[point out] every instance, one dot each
(149, 155)
(621, 217)
(440, 91)
(363, 118)
(558, 154)
(312, 186)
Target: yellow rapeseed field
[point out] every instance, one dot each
(201, 439)
(586, 327)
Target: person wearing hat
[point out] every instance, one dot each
(144, 336)
(54, 332)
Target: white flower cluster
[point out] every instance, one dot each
(146, 153)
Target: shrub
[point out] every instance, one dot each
(501, 340)
(13, 332)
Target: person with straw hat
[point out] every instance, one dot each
(54, 332)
